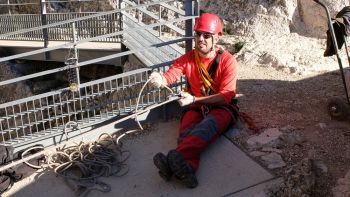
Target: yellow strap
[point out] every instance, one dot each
(203, 73)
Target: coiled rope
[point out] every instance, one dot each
(82, 164)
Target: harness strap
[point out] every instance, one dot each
(214, 66)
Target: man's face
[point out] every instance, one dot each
(204, 41)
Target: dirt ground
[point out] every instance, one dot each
(278, 99)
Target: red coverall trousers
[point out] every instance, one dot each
(197, 132)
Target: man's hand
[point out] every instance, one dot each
(186, 99)
(156, 80)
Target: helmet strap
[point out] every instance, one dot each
(212, 41)
(212, 47)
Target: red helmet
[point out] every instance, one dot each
(208, 23)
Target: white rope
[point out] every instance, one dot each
(74, 124)
(124, 134)
(138, 101)
(25, 153)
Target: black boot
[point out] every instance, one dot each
(161, 162)
(182, 170)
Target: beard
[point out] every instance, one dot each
(203, 48)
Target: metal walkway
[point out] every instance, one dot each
(44, 119)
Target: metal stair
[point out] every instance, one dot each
(145, 38)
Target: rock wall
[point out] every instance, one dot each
(287, 35)
(13, 91)
(303, 16)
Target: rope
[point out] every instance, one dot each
(27, 151)
(74, 124)
(124, 134)
(82, 164)
(250, 121)
(14, 163)
(138, 101)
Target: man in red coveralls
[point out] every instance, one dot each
(208, 99)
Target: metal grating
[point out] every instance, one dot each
(35, 118)
(88, 28)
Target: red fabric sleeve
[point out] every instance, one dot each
(176, 70)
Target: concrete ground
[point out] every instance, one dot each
(224, 171)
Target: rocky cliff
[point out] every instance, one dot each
(287, 35)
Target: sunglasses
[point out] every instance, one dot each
(206, 35)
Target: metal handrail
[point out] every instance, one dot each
(109, 23)
(88, 62)
(81, 18)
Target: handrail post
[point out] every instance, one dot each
(8, 7)
(120, 19)
(160, 18)
(191, 9)
(45, 30)
(123, 48)
(138, 12)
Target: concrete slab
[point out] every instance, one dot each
(224, 171)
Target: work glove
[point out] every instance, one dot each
(156, 80)
(186, 99)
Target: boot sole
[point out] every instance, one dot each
(160, 161)
(182, 170)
